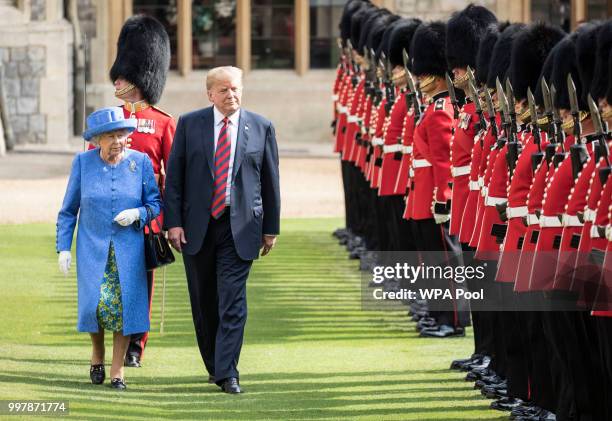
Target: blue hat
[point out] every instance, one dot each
(107, 120)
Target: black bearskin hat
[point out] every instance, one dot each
(427, 49)
(383, 45)
(500, 57)
(374, 29)
(143, 56)
(485, 50)
(565, 63)
(464, 31)
(357, 21)
(586, 45)
(350, 8)
(529, 51)
(599, 84)
(546, 74)
(400, 39)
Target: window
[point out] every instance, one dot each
(213, 29)
(272, 34)
(324, 18)
(598, 9)
(164, 11)
(556, 12)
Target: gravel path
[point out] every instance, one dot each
(32, 186)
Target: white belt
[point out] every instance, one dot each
(342, 109)
(411, 172)
(571, 221)
(492, 201)
(378, 141)
(609, 232)
(550, 221)
(484, 191)
(473, 185)
(392, 148)
(459, 171)
(481, 182)
(335, 97)
(589, 215)
(595, 232)
(420, 163)
(353, 119)
(407, 149)
(532, 219)
(516, 212)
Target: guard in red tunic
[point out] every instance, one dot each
(139, 76)
(432, 175)
(465, 29)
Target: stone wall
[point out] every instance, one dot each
(23, 68)
(38, 10)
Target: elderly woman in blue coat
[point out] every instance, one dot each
(109, 191)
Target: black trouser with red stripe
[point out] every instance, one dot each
(138, 341)
(432, 240)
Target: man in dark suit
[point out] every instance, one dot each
(222, 206)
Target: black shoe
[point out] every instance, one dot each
(97, 373)
(118, 384)
(443, 331)
(506, 404)
(211, 379)
(132, 360)
(460, 363)
(426, 323)
(524, 410)
(494, 393)
(477, 374)
(230, 385)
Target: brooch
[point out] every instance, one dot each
(132, 166)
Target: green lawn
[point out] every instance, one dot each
(310, 352)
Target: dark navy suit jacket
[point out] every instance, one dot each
(255, 192)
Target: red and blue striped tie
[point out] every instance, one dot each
(222, 158)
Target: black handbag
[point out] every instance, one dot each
(157, 249)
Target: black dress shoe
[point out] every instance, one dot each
(524, 410)
(230, 385)
(132, 360)
(211, 379)
(491, 393)
(97, 373)
(460, 363)
(118, 384)
(443, 331)
(506, 404)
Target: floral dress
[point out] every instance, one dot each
(110, 308)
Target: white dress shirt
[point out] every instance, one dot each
(232, 128)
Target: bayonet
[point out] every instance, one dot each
(411, 94)
(573, 97)
(511, 108)
(491, 111)
(453, 96)
(535, 129)
(558, 132)
(474, 95)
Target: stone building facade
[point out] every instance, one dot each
(287, 47)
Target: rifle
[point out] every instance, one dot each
(473, 93)
(453, 96)
(414, 93)
(491, 112)
(578, 152)
(514, 146)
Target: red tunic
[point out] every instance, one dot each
(461, 153)
(403, 173)
(392, 147)
(352, 126)
(432, 167)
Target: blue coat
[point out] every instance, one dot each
(96, 193)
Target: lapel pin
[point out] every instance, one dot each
(132, 166)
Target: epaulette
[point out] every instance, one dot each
(162, 111)
(439, 105)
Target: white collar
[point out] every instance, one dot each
(232, 118)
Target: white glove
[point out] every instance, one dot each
(609, 232)
(127, 217)
(440, 212)
(64, 260)
(441, 218)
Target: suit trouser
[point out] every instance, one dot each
(604, 330)
(216, 277)
(138, 341)
(481, 324)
